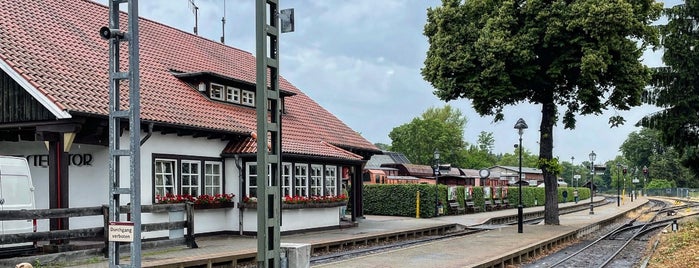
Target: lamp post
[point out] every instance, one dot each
(629, 190)
(592, 193)
(572, 170)
(645, 175)
(634, 180)
(520, 126)
(618, 190)
(436, 182)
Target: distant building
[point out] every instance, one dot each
(532, 176)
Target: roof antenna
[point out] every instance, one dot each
(223, 24)
(195, 10)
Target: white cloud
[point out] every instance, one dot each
(361, 60)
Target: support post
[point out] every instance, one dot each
(115, 37)
(269, 133)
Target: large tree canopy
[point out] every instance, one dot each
(675, 87)
(579, 54)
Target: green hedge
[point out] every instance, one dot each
(400, 199)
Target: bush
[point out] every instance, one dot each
(401, 199)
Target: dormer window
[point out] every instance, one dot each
(225, 89)
(233, 94)
(248, 98)
(216, 92)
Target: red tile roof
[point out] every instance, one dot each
(321, 149)
(55, 46)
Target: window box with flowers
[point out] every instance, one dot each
(204, 201)
(301, 202)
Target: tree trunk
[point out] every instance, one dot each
(548, 119)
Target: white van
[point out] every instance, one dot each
(16, 193)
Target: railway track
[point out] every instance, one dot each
(619, 246)
(348, 252)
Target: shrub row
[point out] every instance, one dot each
(401, 199)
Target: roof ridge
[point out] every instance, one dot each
(141, 18)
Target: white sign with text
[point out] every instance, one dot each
(121, 231)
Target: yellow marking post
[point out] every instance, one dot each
(417, 205)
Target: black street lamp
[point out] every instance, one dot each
(592, 193)
(618, 189)
(520, 126)
(436, 182)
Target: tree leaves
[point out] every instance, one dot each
(580, 54)
(437, 128)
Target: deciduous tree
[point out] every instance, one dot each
(437, 128)
(582, 55)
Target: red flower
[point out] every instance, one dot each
(202, 199)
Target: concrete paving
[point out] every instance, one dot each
(462, 251)
(474, 250)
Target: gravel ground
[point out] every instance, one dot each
(632, 256)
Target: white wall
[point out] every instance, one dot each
(89, 185)
(297, 219)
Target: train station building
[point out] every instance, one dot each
(197, 119)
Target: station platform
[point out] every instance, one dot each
(496, 247)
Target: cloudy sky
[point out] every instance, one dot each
(361, 60)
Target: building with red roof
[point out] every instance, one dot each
(197, 116)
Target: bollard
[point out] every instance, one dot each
(674, 226)
(417, 205)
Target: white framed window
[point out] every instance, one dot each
(186, 175)
(248, 98)
(213, 178)
(216, 91)
(286, 179)
(233, 94)
(190, 177)
(251, 179)
(164, 177)
(316, 180)
(300, 180)
(330, 180)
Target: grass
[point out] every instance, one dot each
(678, 249)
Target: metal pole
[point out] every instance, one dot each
(631, 186)
(520, 208)
(269, 150)
(592, 193)
(644, 185)
(645, 175)
(436, 188)
(572, 170)
(618, 190)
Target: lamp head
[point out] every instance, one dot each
(520, 126)
(436, 154)
(592, 156)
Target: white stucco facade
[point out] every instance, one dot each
(89, 178)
